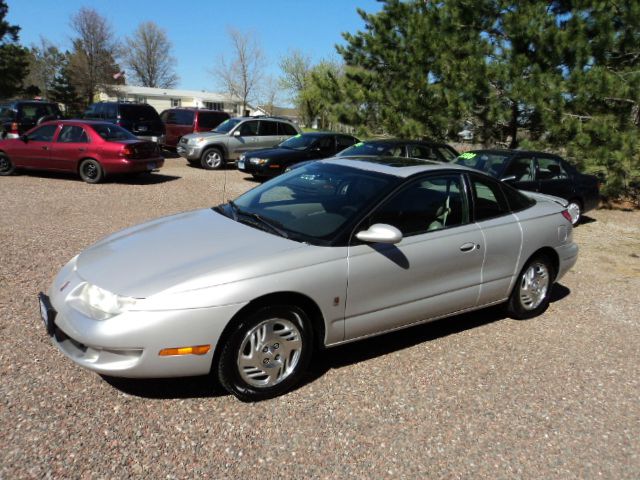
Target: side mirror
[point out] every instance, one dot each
(510, 178)
(236, 133)
(380, 233)
(24, 138)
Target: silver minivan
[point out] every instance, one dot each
(233, 137)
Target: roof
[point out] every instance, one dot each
(396, 166)
(172, 92)
(504, 151)
(400, 141)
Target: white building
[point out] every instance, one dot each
(163, 98)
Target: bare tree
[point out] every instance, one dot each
(45, 61)
(148, 57)
(92, 61)
(241, 75)
(270, 95)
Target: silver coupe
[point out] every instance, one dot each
(329, 253)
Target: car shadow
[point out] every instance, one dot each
(584, 219)
(166, 153)
(143, 179)
(337, 357)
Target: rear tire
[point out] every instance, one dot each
(532, 291)
(267, 354)
(91, 171)
(6, 165)
(212, 159)
(575, 210)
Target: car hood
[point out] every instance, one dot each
(182, 252)
(279, 154)
(208, 135)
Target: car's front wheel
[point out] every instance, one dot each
(531, 294)
(6, 165)
(212, 159)
(91, 171)
(267, 354)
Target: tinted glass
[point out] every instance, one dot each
(373, 148)
(7, 113)
(299, 142)
(249, 129)
(425, 205)
(72, 134)
(448, 154)
(183, 117)
(313, 202)
(521, 168)
(113, 133)
(111, 111)
(488, 199)
(138, 112)
(344, 141)
(43, 134)
(488, 162)
(268, 128)
(210, 120)
(422, 151)
(550, 168)
(227, 125)
(286, 129)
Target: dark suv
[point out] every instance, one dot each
(18, 116)
(139, 118)
(182, 121)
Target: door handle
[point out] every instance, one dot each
(467, 247)
(82, 149)
(45, 148)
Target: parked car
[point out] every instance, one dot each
(140, 119)
(19, 116)
(232, 138)
(182, 121)
(91, 149)
(303, 147)
(332, 252)
(539, 172)
(424, 150)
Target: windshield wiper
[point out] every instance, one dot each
(269, 223)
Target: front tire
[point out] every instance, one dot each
(532, 291)
(267, 353)
(212, 159)
(6, 165)
(91, 171)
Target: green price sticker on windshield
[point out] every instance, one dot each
(298, 135)
(359, 144)
(468, 155)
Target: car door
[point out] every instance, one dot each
(553, 178)
(520, 173)
(243, 139)
(69, 148)
(433, 271)
(501, 238)
(34, 151)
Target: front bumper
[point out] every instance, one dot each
(128, 345)
(190, 152)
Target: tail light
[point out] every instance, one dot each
(565, 214)
(126, 151)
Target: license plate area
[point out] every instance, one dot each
(241, 164)
(47, 313)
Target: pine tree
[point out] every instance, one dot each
(14, 63)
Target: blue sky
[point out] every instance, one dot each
(198, 29)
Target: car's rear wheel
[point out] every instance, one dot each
(531, 294)
(267, 353)
(575, 211)
(6, 165)
(212, 159)
(91, 171)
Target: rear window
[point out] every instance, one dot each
(113, 133)
(286, 129)
(373, 148)
(35, 111)
(210, 120)
(179, 117)
(139, 112)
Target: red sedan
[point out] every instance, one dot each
(91, 149)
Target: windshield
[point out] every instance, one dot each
(113, 133)
(311, 203)
(488, 162)
(373, 148)
(227, 125)
(299, 142)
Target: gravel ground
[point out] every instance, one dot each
(474, 396)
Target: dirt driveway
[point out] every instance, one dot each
(474, 396)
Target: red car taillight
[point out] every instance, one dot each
(565, 214)
(126, 151)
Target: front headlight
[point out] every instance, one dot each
(99, 303)
(196, 140)
(258, 161)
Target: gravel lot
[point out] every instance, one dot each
(474, 396)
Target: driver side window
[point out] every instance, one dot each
(425, 205)
(43, 134)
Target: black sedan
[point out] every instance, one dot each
(301, 148)
(421, 149)
(538, 172)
